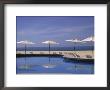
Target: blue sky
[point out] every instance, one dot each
(57, 28)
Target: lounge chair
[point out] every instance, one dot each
(88, 56)
(74, 55)
(77, 55)
(31, 52)
(54, 52)
(41, 53)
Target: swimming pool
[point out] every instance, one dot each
(52, 65)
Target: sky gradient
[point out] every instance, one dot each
(38, 29)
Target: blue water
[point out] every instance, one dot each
(56, 48)
(52, 65)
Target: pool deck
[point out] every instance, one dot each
(71, 55)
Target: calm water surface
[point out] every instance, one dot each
(52, 65)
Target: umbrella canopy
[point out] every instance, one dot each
(74, 40)
(89, 39)
(50, 42)
(25, 42)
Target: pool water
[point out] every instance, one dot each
(52, 65)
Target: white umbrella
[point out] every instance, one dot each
(25, 43)
(75, 41)
(89, 39)
(49, 42)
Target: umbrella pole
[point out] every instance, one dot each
(25, 54)
(74, 47)
(49, 59)
(49, 48)
(25, 49)
(92, 51)
(49, 52)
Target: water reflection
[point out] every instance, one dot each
(78, 66)
(27, 65)
(24, 66)
(49, 64)
(53, 65)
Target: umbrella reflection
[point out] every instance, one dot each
(24, 66)
(49, 64)
(78, 66)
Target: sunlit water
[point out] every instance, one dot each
(52, 65)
